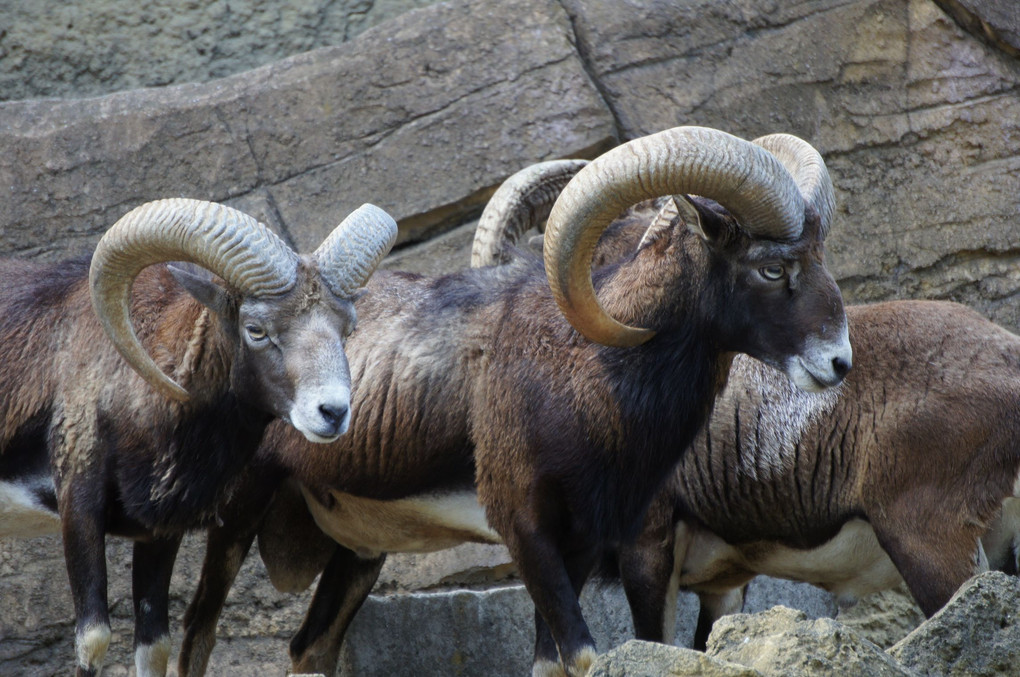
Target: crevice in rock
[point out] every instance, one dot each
(587, 63)
(978, 27)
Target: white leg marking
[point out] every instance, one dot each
(91, 644)
(585, 659)
(151, 659)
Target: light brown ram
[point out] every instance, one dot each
(897, 475)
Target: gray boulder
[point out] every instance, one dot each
(487, 631)
(976, 633)
(647, 659)
(783, 641)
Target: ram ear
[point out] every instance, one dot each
(207, 288)
(690, 215)
(677, 209)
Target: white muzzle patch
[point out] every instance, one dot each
(322, 414)
(822, 364)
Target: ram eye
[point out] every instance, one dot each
(255, 332)
(773, 272)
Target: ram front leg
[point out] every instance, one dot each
(225, 551)
(650, 582)
(152, 566)
(343, 588)
(563, 643)
(83, 526)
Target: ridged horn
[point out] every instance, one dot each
(744, 178)
(807, 167)
(349, 255)
(522, 202)
(229, 243)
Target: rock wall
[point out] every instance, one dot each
(917, 119)
(50, 48)
(425, 114)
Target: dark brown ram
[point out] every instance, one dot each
(96, 438)
(907, 471)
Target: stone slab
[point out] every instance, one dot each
(424, 123)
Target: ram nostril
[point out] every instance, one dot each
(333, 414)
(841, 366)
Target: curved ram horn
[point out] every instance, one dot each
(352, 251)
(227, 242)
(807, 167)
(744, 178)
(522, 202)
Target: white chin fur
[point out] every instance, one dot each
(813, 370)
(306, 416)
(319, 439)
(318, 432)
(802, 378)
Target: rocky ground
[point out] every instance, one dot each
(976, 633)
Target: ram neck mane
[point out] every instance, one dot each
(181, 462)
(182, 482)
(664, 392)
(660, 286)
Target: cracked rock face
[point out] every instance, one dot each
(57, 49)
(782, 641)
(423, 123)
(918, 119)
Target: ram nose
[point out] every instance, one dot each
(324, 418)
(337, 416)
(841, 365)
(823, 364)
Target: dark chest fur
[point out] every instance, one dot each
(177, 479)
(662, 403)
